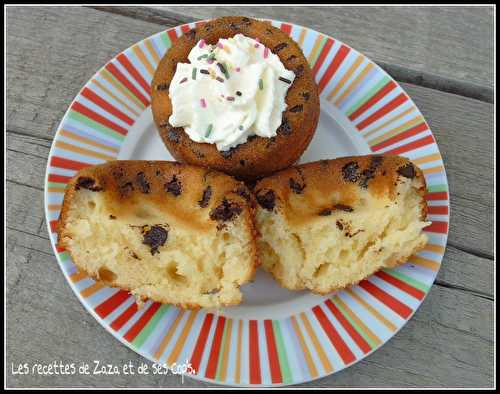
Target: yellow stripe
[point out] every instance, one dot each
(427, 159)
(302, 37)
(321, 353)
(346, 76)
(76, 137)
(118, 85)
(54, 207)
(423, 262)
(434, 248)
(167, 337)
(83, 151)
(433, 170)
(87, 292)
(307, 354)
(315, 50)
(152, 51)
(354, 83)
(356, 319)
(144, 60)
(56, 189)
(78, 276)
(237, 375)
(391, 133)
(391, 120)
(372, 310)
(225, 351)
(111, 94)
(182, 339)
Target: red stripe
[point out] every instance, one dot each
(272, 352)
(78, 107)
(53, 225)
(437, 209)
(436, 196)
(107, 307)
(360, 341)
(199, 24)
(333, 67)
(123, 79)
(60, 250)
(59, 162)
(185, 28)
(394, 304)
(388, 87)
(214, 352)
(58, 178)
(124, 60)
(427, 140)
(437, 227)
(401, 136)
(418, 294)
(121, 320)
(96, 99)
(200, 343)
(394, 103)
(321, 58)
(286, 28)
(253, 346)
(143, 320)
(172, 34)
(337, 342)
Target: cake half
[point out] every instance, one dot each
(164, 231)
(329, 224)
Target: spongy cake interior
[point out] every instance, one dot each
(332, 251)
(193, 268)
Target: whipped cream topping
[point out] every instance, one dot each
(229, 92)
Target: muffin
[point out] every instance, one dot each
(236, 95)
(329, 224)
(164, 231)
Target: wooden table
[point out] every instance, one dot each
(444, 59)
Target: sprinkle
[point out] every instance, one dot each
(219, 45)
(219, 79)
(266, 52)
(285, 80)
(183, 80)
(203, 103)
(193, 74)
(203, 56)
(210, 58)
(238, 93)
(257, 39)
(237, 69)
(209, 130)
(230, 98)
(203, 71)
(261, 84)
(202, 44)
(256, 45)
(223, 70)
(240, 127)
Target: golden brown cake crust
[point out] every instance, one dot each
(259, 156)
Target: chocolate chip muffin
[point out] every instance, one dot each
(165, 231)
(244, 94)
(329, 224)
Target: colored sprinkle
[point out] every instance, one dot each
(219, 79)
(257, 39)
(211, 58)
(230, 98)
(285, 80)
(203, 56)
(238, 93)
(237, 69)
(223, 70)
(203, 103)
(183, 80)
(256, 45)
(266, 52)
(209, 130)
(261, 84)
(240, 127)
(202, 44)
(203, 71)
(193, 74)
(219, 45)
(210, 61)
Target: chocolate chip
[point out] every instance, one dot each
(143, 184)
(134, 255)
(299, 71)
(323, 163)
(350, 171)
(112, 217)
(242, 162)
(208, 27)
(226, 153)
(174, 186)
(155, 237)
(306, 95)
(226, 211)
(246, 20)
(270, 142)
(162, 86)
(285, 127)
(191, 34)
(126, 187)
(267, 200)
(269, 31)
(296, 108)
(279, 47)
(243, 192)
(117, 173)
(296, 187)
(85, 182)
(251, 138)
(325, 212)
(343, 207)
(173, 136)
(408, 171)
(369, 173)
(233, 26)
(207, 193)
(339, 225)
(291, 57)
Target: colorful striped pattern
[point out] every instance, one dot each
(313, 343)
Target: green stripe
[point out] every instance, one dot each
(285, 368)
(56, 184)
(313, 62)
(149, 328)
(368, 95)
(95, 125)
(221, 353)
(64, 256)
(437, 188)
(166, 39)
(354, 324)
(138, 102)
(410, 281)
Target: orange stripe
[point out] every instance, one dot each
(152, 51)
(144, 60)
(92, 289)
(167, 337)
(78, 276)
(433, 170)
(302, 37)
(427, 159)
(356, 319)
(56, 189)
(83, 151)
(434, 248)
(111, 79)
(391, 133)
(321, 353)
(354, 83)
(225, 350)
(391, 120)
(182, 339)
(372, 310)
(237, 375)
(346, 76)
(76, 137)
(427, 263)
(310, 363)
(111, 94)
(54, 207)
(315, 50)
